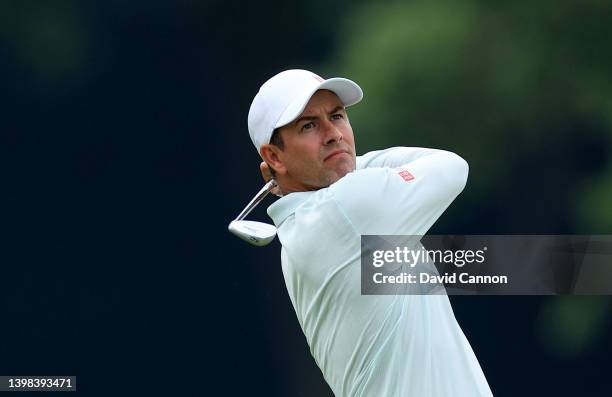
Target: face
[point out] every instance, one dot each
(319, 147)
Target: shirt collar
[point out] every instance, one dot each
(286, 205)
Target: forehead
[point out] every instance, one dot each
(322, 99)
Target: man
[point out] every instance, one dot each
(391, 345)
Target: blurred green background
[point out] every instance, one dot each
(128, 154)
(523, 91)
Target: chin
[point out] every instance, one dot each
(332, 175)
(336, 175)
(345, 169)
(342, 173)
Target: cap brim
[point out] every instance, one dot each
(348, 92)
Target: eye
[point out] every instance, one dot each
(308, 126)
(337, 116)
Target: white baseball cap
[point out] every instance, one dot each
(283, 98)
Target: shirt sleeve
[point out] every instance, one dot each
(406, 199)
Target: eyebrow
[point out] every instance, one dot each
(334, 110)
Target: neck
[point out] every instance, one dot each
(287, 187)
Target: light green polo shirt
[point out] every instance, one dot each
(385, 345)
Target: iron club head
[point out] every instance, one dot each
(256, 233)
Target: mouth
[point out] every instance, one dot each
(334, 154)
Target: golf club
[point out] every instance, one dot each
(256, 233)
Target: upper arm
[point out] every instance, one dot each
(381, 201)
(394, 156)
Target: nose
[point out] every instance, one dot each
(332, 134)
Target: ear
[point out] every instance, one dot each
(271, 154)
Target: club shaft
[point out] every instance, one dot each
(257, 199)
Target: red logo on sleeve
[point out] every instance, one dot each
(406, 175)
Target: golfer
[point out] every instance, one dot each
(378, 346)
